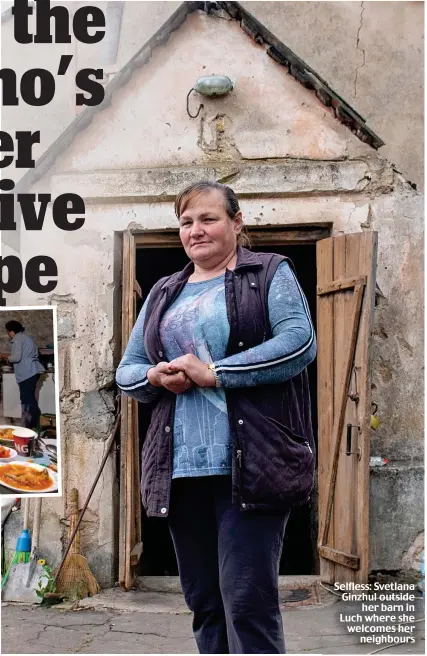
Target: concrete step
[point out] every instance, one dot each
(172, 584)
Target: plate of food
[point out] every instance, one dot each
(7, 454)
(28, 477)
(6, 433)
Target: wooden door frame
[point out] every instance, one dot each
(278, 235)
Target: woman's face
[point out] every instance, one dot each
(206, 231)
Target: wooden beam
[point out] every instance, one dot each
(265, 236)
(135, 554)
(348, 560)
(341, 285)
(363, 359)
(137, 289)
(325, 383)
(259, 236)
(124, 437)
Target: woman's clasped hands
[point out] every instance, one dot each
(181, 374)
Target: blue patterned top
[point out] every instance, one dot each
(197, 323)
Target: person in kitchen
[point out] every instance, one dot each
(27, 368)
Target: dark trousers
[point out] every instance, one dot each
(30, 407)
(228, 564)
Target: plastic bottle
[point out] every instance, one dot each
(377, 461)
(24, 541)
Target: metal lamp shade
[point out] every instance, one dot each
(213, 85)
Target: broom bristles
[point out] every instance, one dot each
(21, 557)
(76, 578)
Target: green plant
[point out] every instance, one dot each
(46, 582)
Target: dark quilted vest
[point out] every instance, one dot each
(270, 425)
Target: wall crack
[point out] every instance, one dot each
(362, 50)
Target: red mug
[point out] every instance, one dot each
(23, 439)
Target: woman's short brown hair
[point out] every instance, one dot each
(231, 203)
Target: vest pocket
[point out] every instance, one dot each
(276, 463)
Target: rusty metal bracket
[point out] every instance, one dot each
(354, 396)
(348, 450)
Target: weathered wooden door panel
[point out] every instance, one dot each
(130, 545)
(346, 294)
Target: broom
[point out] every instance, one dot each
(75, 580)
(56, 597)
(23, 545)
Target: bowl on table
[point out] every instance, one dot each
(7, 454)
(6, 433)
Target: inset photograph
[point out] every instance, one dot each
(29, 431)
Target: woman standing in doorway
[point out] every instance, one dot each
(27, 368)
(222, 349)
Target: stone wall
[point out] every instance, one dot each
(371, 53)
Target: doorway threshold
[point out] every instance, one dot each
(152, 596)
(172, 583)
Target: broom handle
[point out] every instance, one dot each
(26, 513)
(74, 506)
(83, 510)
(36, 524)
(76, 544)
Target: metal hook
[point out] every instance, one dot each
(188, 109)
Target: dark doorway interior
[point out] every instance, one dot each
(299, 549)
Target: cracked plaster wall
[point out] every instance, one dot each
(147, 127)
(371, 53)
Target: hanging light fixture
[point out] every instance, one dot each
(210, 86)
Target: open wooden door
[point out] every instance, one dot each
(130, 544)
(345, 305)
